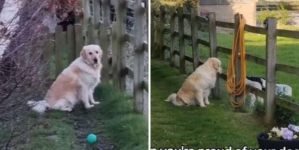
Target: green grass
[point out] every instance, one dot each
(128, 130)
(114, 118)
(215, 126)
(54, 131)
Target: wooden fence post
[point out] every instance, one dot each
(153, 28)
(58, 49)
(172, 37)
(91, 9)
(71, 43)
(96, 20)
(213, 50)
(86, 17)
(90, 33)
(104, 39)
(270, 73)
(161, 33)
(115, 75)
(96, 13)
(138, 58)
(194, 34)
(121, 12)
(181, 40)
(78, 39)
(238, 61)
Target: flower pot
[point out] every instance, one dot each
(265, 143)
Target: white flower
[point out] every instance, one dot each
(270, 135)
(277, 131)
(295, 137)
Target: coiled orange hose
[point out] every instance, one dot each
(237, 88)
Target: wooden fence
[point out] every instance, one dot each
(271, 32)
(96, 31)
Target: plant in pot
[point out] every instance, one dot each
(279, 138)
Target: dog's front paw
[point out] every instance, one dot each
(67, 109)
(202, 105)
(89, 106)
(95, 102)
(207, 103)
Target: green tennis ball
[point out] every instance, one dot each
(91, 138)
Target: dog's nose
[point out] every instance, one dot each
(95, 60)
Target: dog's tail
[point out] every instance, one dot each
(173, 98)
(38, 106)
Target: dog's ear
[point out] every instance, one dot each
(100, 51)
(83, 53)
(213, 63)
(210, 62)
(216, 64)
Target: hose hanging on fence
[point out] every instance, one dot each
(237, 88)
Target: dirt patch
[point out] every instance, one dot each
(85, 123)
(250, 116)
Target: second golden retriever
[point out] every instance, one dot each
(198, 85)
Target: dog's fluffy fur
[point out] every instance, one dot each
(198, 85)
(75, 83)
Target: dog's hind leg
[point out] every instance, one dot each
(63, 105)
(84, 96)
(199, 97)
(66, 109)
(91, 98)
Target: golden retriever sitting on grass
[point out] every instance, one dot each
(75, 83)
(198, 85)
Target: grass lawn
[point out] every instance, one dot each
(113, 121)
(215, 126)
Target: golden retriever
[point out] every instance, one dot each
(198, 85)
(76, 82)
